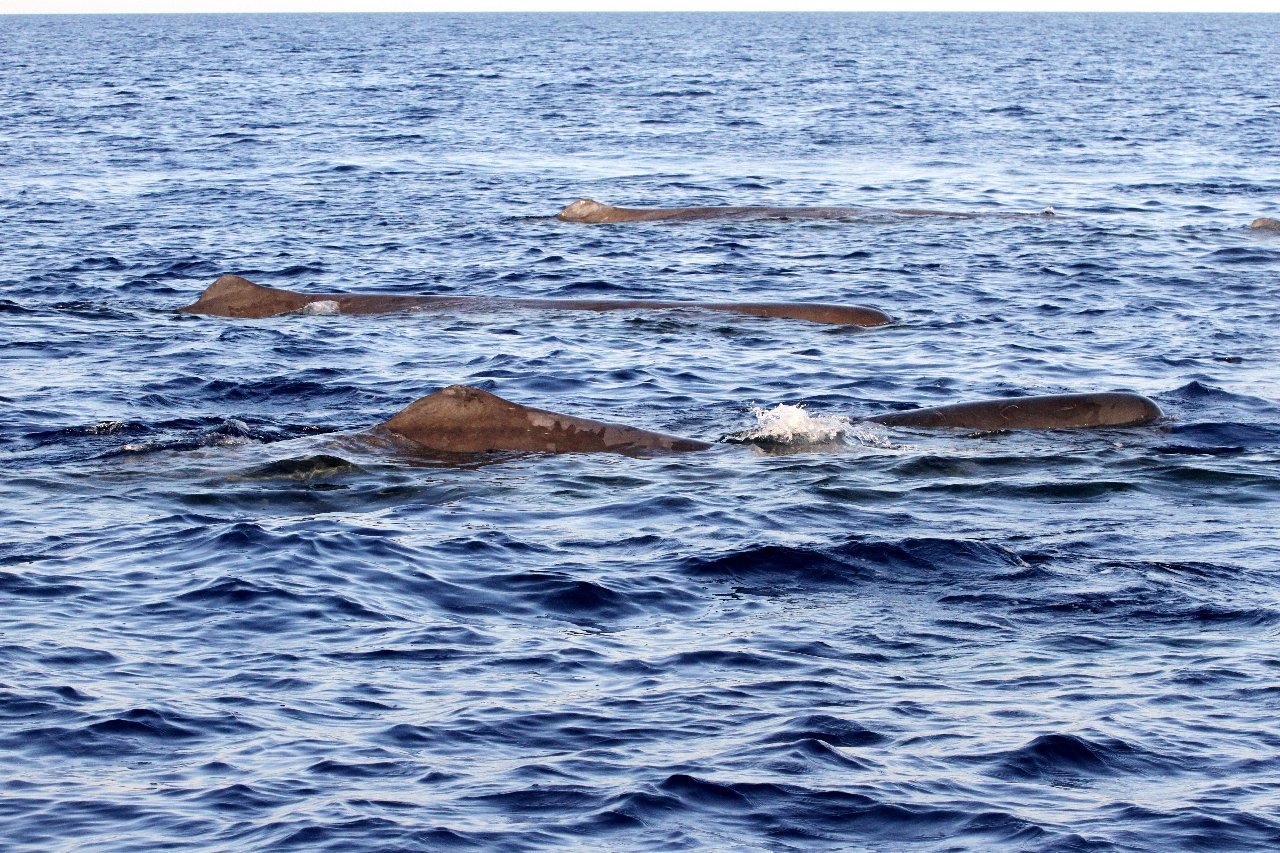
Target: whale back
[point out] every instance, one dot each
(588, 210)
(1263, 223)
(233, 296)
(1058, 411)
(462, 419)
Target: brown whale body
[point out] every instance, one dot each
(1058, 411)
(591, 211)
(233, 296)
(461, 419)
(1264, 223)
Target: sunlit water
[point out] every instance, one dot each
(227, 626)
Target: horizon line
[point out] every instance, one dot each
(93, 8)
(658, 11)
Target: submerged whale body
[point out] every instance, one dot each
(233, 296)
(591, 211)
(1057, 411)
(462, 419)
(1264, 223)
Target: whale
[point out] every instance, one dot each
(463, 419)
(233, 296)
(1264, 223)
(1055, 411)
(590, 211)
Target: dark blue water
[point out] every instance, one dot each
(224, 627)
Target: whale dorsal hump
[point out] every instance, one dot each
(233, 296)
(451, 407)
(1262, 223)
(586, 210)
(462, 419)
(231, 287)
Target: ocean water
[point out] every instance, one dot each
(228, 623)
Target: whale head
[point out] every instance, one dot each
(587, 210)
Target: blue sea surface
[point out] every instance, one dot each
(227, 623)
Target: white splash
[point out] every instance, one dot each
(787, 424)
(792, 426)
(106, 427)
(323, 307)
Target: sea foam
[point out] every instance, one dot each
(791, 424)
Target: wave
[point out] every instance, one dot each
(1244, 255)
(827, 729)
(244, 597)
(908, 561)
(794, 813)
(138, 730)
(1063, 757)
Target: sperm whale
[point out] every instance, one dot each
(463, 419)
(233, 296)
(1055, 411)
(588, 210)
